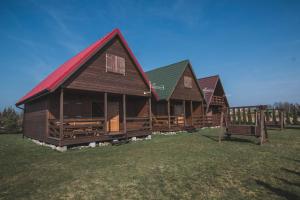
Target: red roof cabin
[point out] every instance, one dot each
(100, 94)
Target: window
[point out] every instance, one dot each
(115, 64)
(187, 82)
(97, 109)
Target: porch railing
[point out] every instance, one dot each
(162, 122)
(198, 121)
(138, 124)
(75, 128)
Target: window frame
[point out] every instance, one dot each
(118, 64)
(188, 82)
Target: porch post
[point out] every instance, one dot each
(150, 113)
(105, 112)
(61, 115)
(183, 102)
(192, 112)
(124, 114)
(169, 119)
(203, 115)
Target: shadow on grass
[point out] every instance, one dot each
(230, 139)
(235, 139)
(278, 191)
(213, 138)
(288, 182)
(291, 159)
(290, 171)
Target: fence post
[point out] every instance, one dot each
(262, 126)
(221, 133)
(281, 120)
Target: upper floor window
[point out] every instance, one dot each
(115, 64)
(187, 82)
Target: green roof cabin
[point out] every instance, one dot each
(180, 102)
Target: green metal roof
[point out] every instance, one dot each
(168, 77)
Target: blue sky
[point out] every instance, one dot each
(253, 45)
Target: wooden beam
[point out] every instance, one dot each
(262, 126)
(183, 102)
(105, 112)
(124, 115)
(150, 113)
(169, 119)
(192, 112)
(61, 115)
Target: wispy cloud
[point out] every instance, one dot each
(66, 37)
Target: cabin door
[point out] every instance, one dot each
(114, 117)
(178, 111)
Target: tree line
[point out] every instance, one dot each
(291, 111)
(10, 120)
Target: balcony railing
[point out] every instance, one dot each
(217, 100)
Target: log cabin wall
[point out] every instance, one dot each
(35, 119)
(183, 93)
(93, 75)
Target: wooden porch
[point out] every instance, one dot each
(177, 115)
(83, 117)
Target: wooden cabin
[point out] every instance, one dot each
(180, 101)
(215, 98)
(101, 94)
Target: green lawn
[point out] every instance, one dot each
(183, 166)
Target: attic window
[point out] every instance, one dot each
(115, 64)
(187, 82)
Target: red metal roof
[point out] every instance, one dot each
(208, 86)
(57, 77)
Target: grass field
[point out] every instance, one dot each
(183, 166)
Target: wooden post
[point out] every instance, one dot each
(169, 119)
(255, 120)
(233, 116)
(274, 116)
(239, 115)
(150, 113)
(183, 102)
(221, 127)
(244, 115)
(105, 112)
(124, 114)
(203, 114)
(61, 115)
(262, 126)
(281, 119)
(192, 113)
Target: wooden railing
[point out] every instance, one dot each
(138, 124)
(162, 122)
(75, 128)
(217, 100)
(198, 121)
